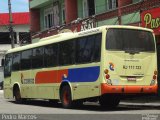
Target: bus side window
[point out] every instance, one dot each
(97, 48)
(8, 65)
(26, 59)
(16, 62)
(67, 52)
(88, 49)
(37, 57)
(51, 55)
(83, 52)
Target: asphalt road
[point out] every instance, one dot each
(40, 109)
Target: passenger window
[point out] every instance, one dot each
(16, 62)
(51, 55)
(67, 52)
(8, 65)
(37, 57)
(97, 48)
(26, 59)
(88, 49)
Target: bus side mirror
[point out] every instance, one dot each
(2, 62)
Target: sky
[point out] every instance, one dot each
(17, 6)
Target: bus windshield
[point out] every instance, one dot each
(129, 40)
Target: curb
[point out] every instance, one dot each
(156, 104)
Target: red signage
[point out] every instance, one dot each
(151, 19)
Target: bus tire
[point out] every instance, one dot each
(66, 97)
(17, 95)
(109, 101)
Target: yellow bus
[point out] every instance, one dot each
(101, 64)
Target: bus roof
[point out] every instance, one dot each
(69, 35)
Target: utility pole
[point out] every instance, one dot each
(10, 24)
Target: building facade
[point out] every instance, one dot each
(48, 17)
(21, 28)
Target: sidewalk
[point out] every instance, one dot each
(143, 101)
(153, 104)
(153, 98)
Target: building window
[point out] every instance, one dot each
(56, 13)
(48, 14)
(88, 8)
(111, 4)
(5, 38)
(24, 38)
(51, 16)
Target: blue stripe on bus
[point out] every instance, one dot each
(87, 74)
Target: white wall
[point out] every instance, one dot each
(16, 28)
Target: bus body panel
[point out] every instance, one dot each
(8, 91)
(140, 66)
(36, 83)
(130, 70)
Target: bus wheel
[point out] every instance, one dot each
(66, 97)
(109, 101)
(17, 95)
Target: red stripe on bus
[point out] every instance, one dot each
(54, 76)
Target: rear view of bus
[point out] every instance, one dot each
(130, 64)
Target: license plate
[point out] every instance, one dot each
(131, 79)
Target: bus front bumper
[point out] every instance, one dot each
(105, 88)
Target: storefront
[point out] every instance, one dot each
(151, 19)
